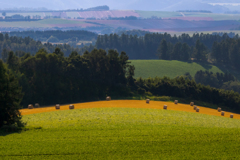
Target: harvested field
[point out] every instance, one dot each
(106, 14)
(59, 14)
(132, 104)
(169, 24)
(192, 18)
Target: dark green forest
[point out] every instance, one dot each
(58, 34)
(50, 78)
(147, 46)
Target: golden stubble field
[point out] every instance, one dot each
(132, 104)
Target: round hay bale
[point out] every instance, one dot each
(219, 109)
(222, 113)
(147, 101)
(195, 107)
(176, 101)
(192, 103)
(231, 115)
(30, 106)
(165, 107)
(71, 106)
(57, 106)
(108, 98)
(37, 105)
(197, 110)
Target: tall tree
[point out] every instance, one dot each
(200, 51)
(10, 98)
(163, 50)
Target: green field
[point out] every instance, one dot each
(160, 68)
(123, 133)
(40, 24)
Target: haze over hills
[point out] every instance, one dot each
(154, 5)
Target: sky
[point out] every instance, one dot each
(123, 4)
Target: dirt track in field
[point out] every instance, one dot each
(132, 104)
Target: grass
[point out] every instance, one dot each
(123, 133)
(160, 68)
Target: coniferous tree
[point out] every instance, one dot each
(163, 50)
(10, 98)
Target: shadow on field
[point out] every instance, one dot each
(7, 130)
(205, 65)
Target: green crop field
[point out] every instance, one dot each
(160, 68)
(123, 133)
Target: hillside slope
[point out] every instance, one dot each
(160, 68)
(123, 133)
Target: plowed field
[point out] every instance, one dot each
(132, 104)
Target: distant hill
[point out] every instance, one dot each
(194, 5)
(153, 5)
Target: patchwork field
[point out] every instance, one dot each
(172, 69)
(154, 21)
(106, 14)
(113, 131)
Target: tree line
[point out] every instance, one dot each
(146, 47)
(28, 45)
(60, 35)
(51, 78)
(190, 90)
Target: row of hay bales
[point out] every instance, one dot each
(219, 110)
(223, 113)
(30, 106)
(57, 106)
(194, 107)
(108, 98)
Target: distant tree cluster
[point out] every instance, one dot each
(60, 35)
(227, 52)
(28, 45)
(147, 46)
(213, 79)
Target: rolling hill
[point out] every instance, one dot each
(123, 133)
(172, 69)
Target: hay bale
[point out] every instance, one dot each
(219, 109)
(231, 115)
(147, 101)
(197, 110)
(30, 106)
(222, 113)
(37, 105)
(71, 106)
(176, 101)
(195, 107)
(57, 106)
(192, 103)
(108, 98)
(165, 107)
